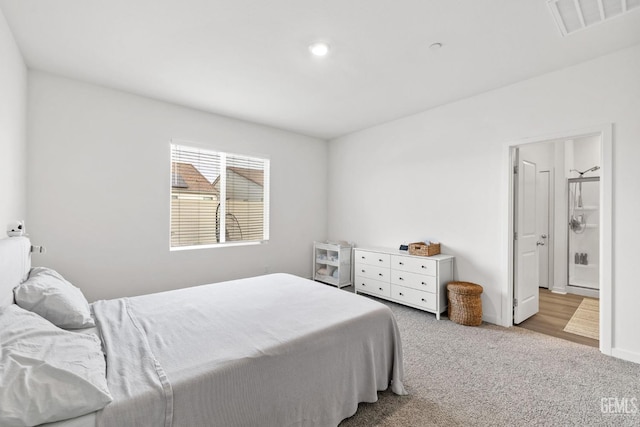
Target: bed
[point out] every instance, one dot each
(274, 350)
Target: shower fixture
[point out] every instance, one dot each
(595, 168)
(584, 221)
(579, 192)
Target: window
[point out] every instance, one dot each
(217, 198)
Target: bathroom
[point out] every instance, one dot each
(562, 199)
(568, 197)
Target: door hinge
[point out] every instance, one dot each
(515, 302)
(515, 235)
(515, 169)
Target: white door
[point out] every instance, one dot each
(526, 294)
(542, 205)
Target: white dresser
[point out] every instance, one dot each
(416, 281)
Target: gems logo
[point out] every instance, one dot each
(619, 405)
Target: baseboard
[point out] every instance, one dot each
(626, 355)
(584, 292)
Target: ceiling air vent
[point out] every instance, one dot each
(574, 15)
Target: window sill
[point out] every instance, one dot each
(217, 245)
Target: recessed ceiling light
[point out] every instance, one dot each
(319, 48)
(435, 46)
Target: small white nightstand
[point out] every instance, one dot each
(332, 263)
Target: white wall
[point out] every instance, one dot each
(584, 154)
(444, 173)
(542, 154)
(13, 144)
(99, 190)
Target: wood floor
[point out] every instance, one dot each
(555, 311)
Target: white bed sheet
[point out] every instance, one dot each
(274, 350)
(88, 420)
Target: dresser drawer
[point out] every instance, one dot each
(425, 300)
(414, 265)
(420, 282)
(371, 286)
(372, 258)
(372, 272)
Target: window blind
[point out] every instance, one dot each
(217, 197)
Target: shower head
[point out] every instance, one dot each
(595, 168)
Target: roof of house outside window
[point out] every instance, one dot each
(254, 175)
(186, 178)
(243, 184)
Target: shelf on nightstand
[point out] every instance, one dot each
(337, 258)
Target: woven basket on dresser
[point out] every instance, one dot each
(465, 304)
(422, 249)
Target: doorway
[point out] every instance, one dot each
(539, 226)
(556, 311)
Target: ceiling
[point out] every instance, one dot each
(249, 59)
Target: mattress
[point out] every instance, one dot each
(274, 350)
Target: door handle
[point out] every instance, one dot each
(539, 243)
(544, 236)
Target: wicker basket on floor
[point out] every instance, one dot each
(465, 304)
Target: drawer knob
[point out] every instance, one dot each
(379, 260)
(363, 285)
(424, 283)
(363, 271)
(381, 289)
(424, 300)
(401, 294)
(401, 263)
(424, 266)
(363, 257)
(400, 278)
(380, 274)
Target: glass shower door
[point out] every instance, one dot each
(584, 233)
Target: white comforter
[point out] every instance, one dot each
(274, 350)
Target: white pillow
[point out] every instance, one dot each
(46, 373)
(48, 294)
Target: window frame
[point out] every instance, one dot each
(266, 193)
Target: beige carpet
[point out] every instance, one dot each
(585, 321)
(493, 376)
(459, 376)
